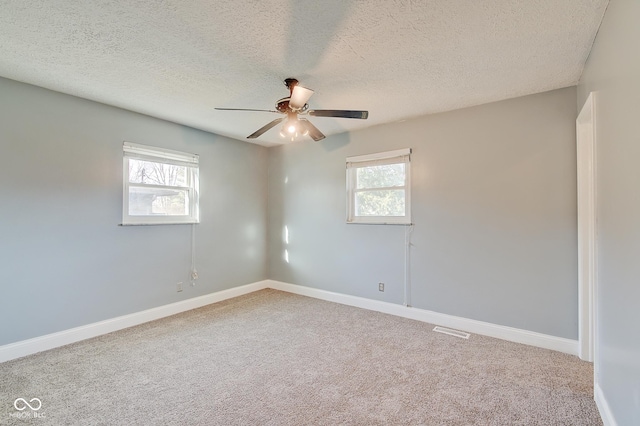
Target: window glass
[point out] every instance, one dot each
(380, 203)
(381, 176)
(160, 186)
(158, 201)
(149, 172)
(378, 188)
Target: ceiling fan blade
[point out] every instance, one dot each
(244, 109)
(263, 129)
(299, 97)
(339, 113)
(314, 133)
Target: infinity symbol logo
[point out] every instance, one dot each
(26, 404)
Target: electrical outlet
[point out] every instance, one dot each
(194, 275)
(179, 287)
(380, 286)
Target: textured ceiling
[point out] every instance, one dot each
(179, 59)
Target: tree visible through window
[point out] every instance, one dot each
(377, 192)
(161, 186)
(172, 199)
(378, 186)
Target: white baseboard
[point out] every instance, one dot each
(471, 326)
(603, 406)
(54, 340)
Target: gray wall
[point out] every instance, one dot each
(613, 71)
(494, 207)
(64, 261)
(493, 204)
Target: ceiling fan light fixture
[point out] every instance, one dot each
(292, 125)
(299, 97)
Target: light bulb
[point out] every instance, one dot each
(290, 127)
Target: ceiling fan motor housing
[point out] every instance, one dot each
(283, 106)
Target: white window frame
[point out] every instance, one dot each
(400, 156)
(165, 156)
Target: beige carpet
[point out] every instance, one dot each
(273, 358)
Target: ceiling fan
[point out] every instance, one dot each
(293, 107)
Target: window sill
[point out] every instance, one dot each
(381, 223)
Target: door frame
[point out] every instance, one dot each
(587, 230)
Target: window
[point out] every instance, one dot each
(160, 186)
(378, 188)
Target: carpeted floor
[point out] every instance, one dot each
(273, 358)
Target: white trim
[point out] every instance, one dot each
(54, 340)
(587, 237)
(603, 407)
(471, 326)
(379, 155)
(136, 149)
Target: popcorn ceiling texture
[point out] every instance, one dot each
(178, 60)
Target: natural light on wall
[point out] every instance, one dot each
(378, 188)
(160, 186)
(285, 238)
